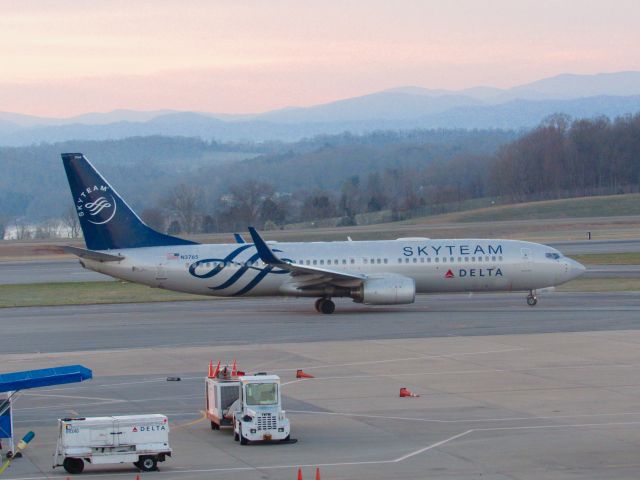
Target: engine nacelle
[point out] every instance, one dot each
(388, 290)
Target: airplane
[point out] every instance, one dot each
(384, 272)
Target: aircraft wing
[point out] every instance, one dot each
(304, 275)
(92, 254)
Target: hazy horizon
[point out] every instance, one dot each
(64, 58)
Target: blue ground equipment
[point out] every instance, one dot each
(11, 384)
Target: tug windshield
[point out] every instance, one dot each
(262, 394)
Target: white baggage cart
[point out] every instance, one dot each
(140, 439)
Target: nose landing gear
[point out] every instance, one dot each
(325, 305)
(532, 300)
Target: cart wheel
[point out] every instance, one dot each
(73, 465)
(214, 425)
(148, 463)
(243, 441)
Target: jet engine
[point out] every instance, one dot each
(387, 290)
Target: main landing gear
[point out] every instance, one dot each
(325, 305)
(532, 300)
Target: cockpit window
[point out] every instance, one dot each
(553, 256)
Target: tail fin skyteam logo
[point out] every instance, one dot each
(96, 204)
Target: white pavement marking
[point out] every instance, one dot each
(468, 420)
(294, 381)
(31, 394)
(110, 401)
(431, 447)
(282, 467)
(418, 357)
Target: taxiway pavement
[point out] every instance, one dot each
(506, 391)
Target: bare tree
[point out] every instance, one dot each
(154, 218)
(184, 201)
(23, 231)
(71, 221)
(247, 199)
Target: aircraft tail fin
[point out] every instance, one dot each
(107, 221)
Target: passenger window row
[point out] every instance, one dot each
(478, 259)
(370, 261)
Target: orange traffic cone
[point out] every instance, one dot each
(299, 473)
(234, 369)
(405, 392)
(317, 473)
(137, 477)
(301, 374)
(213, 373)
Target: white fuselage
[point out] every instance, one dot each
(436, 265)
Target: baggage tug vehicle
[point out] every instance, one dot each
(250, 404)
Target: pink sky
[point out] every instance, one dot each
(62, 58)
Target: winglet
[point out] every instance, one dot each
(238, 238)
(265, 253)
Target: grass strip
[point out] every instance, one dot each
(86, 293)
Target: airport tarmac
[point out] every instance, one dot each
(507, 391)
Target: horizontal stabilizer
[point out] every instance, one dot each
(92, 255)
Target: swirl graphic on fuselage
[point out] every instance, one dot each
(245, 267)
(96, 207)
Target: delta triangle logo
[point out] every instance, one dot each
(135, 429)
(449, 274)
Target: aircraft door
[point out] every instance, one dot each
(161, 273)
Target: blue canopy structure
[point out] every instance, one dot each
(11, 382)
(16, 381)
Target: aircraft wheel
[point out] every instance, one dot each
(318, 304)
(532, 300)
(327, 307)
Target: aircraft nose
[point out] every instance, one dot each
(575, 268)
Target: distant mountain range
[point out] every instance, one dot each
(520, 107)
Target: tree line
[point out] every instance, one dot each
(560, 158)
(190, 186)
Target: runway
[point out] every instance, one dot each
(573, 247)
(506, 391)
(47, 271)
(242, 321)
